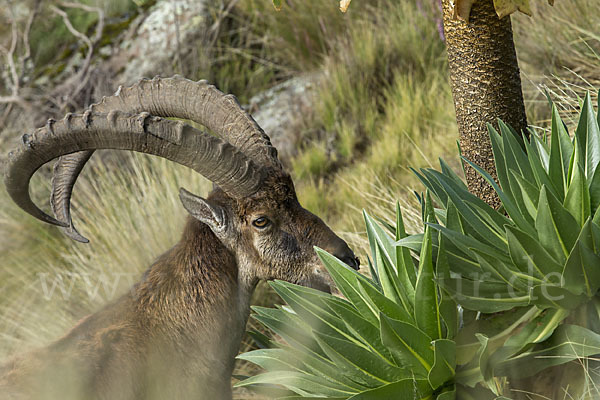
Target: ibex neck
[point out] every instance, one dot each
(196, 295)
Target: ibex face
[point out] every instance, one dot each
(272, 234)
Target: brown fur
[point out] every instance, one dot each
(175, 334)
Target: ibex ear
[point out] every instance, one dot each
(209, 213)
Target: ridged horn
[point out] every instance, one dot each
(168, 97)
(212, 157)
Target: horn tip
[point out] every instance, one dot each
(72, 233)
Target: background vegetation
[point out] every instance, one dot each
(383, 104)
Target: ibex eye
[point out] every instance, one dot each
(261, 222)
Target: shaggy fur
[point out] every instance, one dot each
(176, 333)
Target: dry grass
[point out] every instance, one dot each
(49, 281)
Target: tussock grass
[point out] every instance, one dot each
(559, 49)
(382, 100)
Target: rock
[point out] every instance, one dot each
(278, 111)
(159, 39)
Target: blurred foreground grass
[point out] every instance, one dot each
(383, 104)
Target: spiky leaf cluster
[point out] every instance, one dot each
(541, 249)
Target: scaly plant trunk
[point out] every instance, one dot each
(486, 85)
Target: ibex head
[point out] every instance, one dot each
(253, 210)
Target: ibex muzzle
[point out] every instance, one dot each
(176, 333)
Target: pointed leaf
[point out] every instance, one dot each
(530, 257)
(582, 270)
(406, 269)
(557, 230)
(577, 199)
(409, 344)
(358, 360)
(444, 364)
(297, 382)
(448, 307)
(568, 342)
(510, 207)
(394, 288)
(405, 389)
(347, 281)
(588, 138)
(427, 313)
(560, 153)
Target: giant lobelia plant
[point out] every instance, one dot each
(536, 259)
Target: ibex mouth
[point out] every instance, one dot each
(321, 280)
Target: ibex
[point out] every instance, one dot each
(176, 333)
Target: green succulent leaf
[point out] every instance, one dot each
(396, 282)
(588, 138)
(581, 274)
(348, 282)
(383, 304)
(567, 343)
(444, 364)
(297, 382)
(405, 389)
(499, 159)
(542, 177)
(530, 257)
(404, 263)
(556, 297)
(577, 199)
(489, 233)
(497, 327)
(594, 190)
(427, 313)
(362, 365)
(448, 307)
(557, 229)
(409, 344)
(529, 194)
(362, 330)
(482, 296)
(515, 156)
(561, 149)
(510, 206)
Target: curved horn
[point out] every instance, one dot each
(212, 157)
(168, 97)
(200, 102)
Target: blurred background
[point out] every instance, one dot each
(350, 100)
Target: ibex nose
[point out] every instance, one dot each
(343, 253)
(352, 261)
